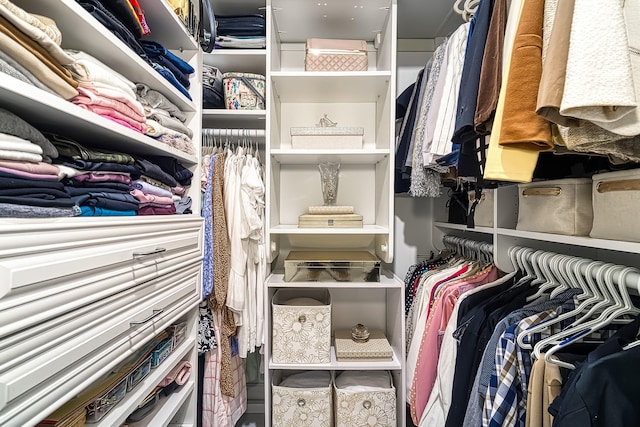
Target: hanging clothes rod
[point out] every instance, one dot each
(234, 133)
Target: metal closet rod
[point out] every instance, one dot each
(235, 133)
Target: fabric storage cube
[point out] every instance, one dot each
(301, 331)
(336, 55)
(483, 216)
(302, 399)
(616, 200)
(244, 91)
(561, 206)
(364, 398)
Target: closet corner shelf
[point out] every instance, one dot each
(613, 245)
(387, 281)
(334, 364)
(481, 230)
(294, 229)
(307, 156)
(235, 114)
(174, 34)
(245, 60)
(121, 411)
(59, 115)
(347, 87)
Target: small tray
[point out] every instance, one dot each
(162, 351)
(331, 266)
(139, 373)
(103, 404)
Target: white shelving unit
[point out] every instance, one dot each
(79, 296)
(504, 235)
(364, 98)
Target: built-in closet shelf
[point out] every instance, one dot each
(233, 119)
(235, 7)
(76, 24)
(588, 242)
(49, 112)
(121, 411)
(336, 365)
(324, 86)
(387, 280)
(306, 157)
(237, 60)
(294, 229)
(174, 34)
(446, 225)
(167, 407)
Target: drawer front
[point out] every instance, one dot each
(39, 253)
(27, 306)
(29, 360)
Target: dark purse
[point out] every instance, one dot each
(458, 205)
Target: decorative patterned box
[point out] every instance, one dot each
(336, 55)
(377, 348)
(331, 266)
(329, 138)
(301, 329)
(302, 399)
(244, 91)
(364, 398)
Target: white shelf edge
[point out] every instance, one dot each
(387, 280)
(167, 407)
(482, 230)
(312, 156)
(329, 74)
(121, 411)
(614, 245)
(88, 118)
(293, 229)
(211, 112)
(336, 365)
(234, 52)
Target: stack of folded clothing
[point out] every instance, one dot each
(241, 32)
(98, 181)
(106, 93)
(165, 121)
(153, 189)
(170, 66)
(183, 178)
(125, 19)
(29, 184)
(30, 51)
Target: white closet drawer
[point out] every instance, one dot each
(33, 253)
(71, 277)
(41, 354)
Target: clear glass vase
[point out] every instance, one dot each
(329, 172)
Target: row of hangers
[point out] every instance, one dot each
(218, 140)
(469, 249)
(466, 8)
(604, 298)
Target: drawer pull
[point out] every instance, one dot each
(302, 318)
(542, 191)
(153, 252)
(366, 404)
(622, 185)
(156, 313)
(301, 402)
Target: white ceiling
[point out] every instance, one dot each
(426, 19)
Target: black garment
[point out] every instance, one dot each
(201, 365)
(150, 169)
(474, 332)
(404, 100)
(114, 201)
(402, 173)
(38, 192)
(113, 24)
(470, 164)
(121, 10)
(85, 165)
(173, 167)
(240, 25)
(36, 201)
(569, 405)
(8, 180)
(97, 187)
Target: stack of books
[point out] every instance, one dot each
(330, 217)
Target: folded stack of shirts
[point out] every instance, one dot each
(155, 186)
(241, 32)
(164, 120)
(29, 184)
(170, 66)
(106, 92)
(30, 51)
(183, 177)
(97, 180)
